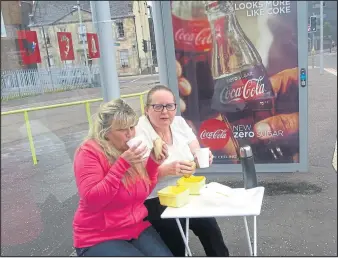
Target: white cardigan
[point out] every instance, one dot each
(182, 136)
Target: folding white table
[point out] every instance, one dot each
(203, 206)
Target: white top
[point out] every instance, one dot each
(241, 203)
(182, 135)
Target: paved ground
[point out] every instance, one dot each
(299, 214)
(329, 60)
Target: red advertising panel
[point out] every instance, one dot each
(65, 45)
(93, 45)
(29, 47)
(237, 64)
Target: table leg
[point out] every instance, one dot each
(248, 235)
(185, 240)
(187, 234)
(255, 236)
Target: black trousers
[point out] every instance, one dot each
(206, 229)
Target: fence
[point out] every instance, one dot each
(21, 83)
(30, 82)
(88, 113)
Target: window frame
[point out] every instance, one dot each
(123, 59)
(120, 28)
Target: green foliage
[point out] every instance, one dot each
(326, 29)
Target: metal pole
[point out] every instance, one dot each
(313, 47)
(313, 41)
(150, 57)
(313, 50)
(83, 43)
(159, 39)
(165, 47)
(45, 43)
(108, 72)
(321, 38)
(48, 60)
(94, 19)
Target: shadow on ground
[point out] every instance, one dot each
(282, 188)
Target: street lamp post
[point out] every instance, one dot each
(321, 37)
(83, 43)
(150, 56)
(46, 47)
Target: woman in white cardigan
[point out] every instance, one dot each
(161, 121)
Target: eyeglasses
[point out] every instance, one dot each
(160, 107)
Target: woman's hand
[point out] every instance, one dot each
(211, 158)
(163, 156)
(177, 168)
(134, 155)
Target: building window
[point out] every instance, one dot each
(120, 29)
(82, 33)
(47, 38)
(62, 29)
(124, 58)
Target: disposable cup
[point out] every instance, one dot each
(202, 156)
(136, 140)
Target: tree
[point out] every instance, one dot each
(326, 29)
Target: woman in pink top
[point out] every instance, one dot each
(113, 182)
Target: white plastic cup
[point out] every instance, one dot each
(136, 140)
(202, 156)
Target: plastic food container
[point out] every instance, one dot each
(194, 183)
(174, 196)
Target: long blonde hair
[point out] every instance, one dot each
(115, 115)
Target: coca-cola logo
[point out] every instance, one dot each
(201, 38)
(243, 90)
(214, 134)
(192, 35)
(218, 134)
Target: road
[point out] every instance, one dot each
(329, 60)
(299, 213)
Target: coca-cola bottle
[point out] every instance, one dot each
(193, 42)
(242, 90)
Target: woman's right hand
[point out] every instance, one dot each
(179, 168)
(134, 155)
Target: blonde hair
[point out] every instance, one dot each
(115, 115)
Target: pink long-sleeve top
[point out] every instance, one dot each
(108, 210)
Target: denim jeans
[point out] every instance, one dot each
(149, 243)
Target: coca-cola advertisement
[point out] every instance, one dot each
(237, 70)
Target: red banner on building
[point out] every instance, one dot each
(29, 47)
(65, 45)
(93, 45)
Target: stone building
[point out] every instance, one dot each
(130, 28)
(15, 16)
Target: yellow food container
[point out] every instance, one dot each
(194, 183)
(174, 196)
